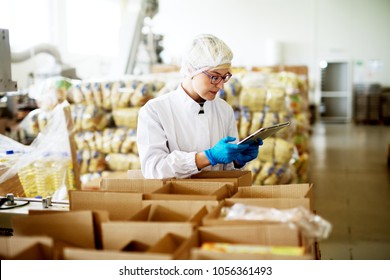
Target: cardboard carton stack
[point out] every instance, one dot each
(135, 218)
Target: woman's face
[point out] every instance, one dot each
(202, 86)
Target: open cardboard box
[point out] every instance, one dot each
(162, 240)
(238, 178)
(119, 205)
(188, 190)
(290, 191)
(278, 203)
(215, 217)
(174, 211)
(26, 248)
(130, 185)
(94, 184)
(253, 235)
(170, 246)
(275, 191)
(67, 229)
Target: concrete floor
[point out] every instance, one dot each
(348, 168)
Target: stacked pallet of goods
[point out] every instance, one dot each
(104, 115)
(264, 98)
(105, 119)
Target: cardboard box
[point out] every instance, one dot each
(174, 211)
(73, 229)
(139, 237)
(170, 246)
(237, 178)
(216, 216)
(26, 248)
(278, 203)
(275, 191)
(99, 216)
(11, 185)
(289, 191)
(94, 184)
(262, 235)
(130, 185)
(119, 205)
(91, 185)
(189, 190)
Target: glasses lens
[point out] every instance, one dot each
(227, 77)
(216, 79)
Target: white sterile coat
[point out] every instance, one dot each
(170, 131)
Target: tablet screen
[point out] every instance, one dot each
(264, 132)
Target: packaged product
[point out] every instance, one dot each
(126, 117)
(122, 162)
(253, 98)
(97, 94)
(276, 99)
(223, 247)
(245, 123)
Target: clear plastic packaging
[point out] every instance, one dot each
(45, 167)
(312, 226)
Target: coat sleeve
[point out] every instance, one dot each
(157, 161)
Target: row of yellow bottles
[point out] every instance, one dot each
(45, 176)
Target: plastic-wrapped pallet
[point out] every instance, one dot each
(270, 98)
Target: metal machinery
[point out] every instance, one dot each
(7, 107)
(6, 83)
(132, 38)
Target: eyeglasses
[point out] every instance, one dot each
(215, 80)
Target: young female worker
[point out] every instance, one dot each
(191, 129)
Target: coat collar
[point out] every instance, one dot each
(190, 104)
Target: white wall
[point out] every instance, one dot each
(307, 31)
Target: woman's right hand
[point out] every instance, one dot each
(224, 152)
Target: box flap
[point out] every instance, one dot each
(239, 177)
(186, 206)
(276, 235)
(190, 190)
(168, 244)
(199, 254)
(278, 203)
(119, 205)
(75, 228)
(179, 212)
(274, 191)
(116, 235)
(130, 185)
(142, 215)
(89, 254)
(26, 248)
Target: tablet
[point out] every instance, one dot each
(264, 132)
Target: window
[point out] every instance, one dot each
(92, 26)
(26, 26)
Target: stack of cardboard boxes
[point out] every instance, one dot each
(135, 218)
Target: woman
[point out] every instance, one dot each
(191, 129)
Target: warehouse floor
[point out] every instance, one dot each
(348, 168)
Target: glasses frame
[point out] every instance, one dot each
(215, 80)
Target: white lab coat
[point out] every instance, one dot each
(170, 132)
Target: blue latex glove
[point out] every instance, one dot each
(224, 152)
(250, 153)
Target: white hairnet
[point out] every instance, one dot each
(205, 52)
